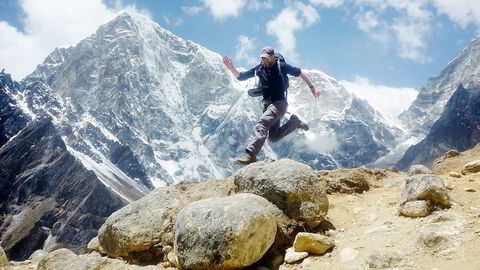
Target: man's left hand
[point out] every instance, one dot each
(315, 92)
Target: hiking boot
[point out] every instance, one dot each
(301, 125)
(245, 159)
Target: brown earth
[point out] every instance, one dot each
(369, 234)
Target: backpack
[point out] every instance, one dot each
(257, 91)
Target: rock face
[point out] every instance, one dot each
(141, 229)
(12, 117)
(45, 193)
(431, 100)
(292, 186)
(225, 233)
(428, 188)
(456, 128)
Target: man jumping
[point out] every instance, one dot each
(272, 74)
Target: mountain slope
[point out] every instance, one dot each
(432, 98)
(457, 128)
(177, 114)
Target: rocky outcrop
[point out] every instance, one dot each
(418, 169)
(349, 181)
(12, 119)
(141, 229)
(292, 186)
(225, 233)
(45, 193)
(457, 128)
(471, 167)
(428, 188)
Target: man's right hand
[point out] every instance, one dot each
(227, 61)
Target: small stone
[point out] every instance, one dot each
(348, 254)
(172, 258)
(167, 249)
(471, 180)
(166, 264)
(455, 174)
(293, 257)
(312, 243)
(470, 190)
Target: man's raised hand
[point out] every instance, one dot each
(227, 61)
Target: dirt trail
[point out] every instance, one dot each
(370, 234)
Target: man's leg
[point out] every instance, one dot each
(277, 132)
(272, 114)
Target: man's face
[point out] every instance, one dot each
(268, 60)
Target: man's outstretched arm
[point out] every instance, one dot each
(307, 80)
(227, 61)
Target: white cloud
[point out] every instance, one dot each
(462, 12)
(387, 99)
(48, 24)
(327, 3)
(290, 20)
(256, 5)
(412, 39)
(192, 10)
(222, 9)
(245, 50)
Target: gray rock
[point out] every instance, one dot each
(292, 186)
(471, 167)
(380, 260)
(225, 233)
(418, 169)
(3, 258)
(38, 255)
(63, 259)
(426, 187)
(291, 256)
(145, 226)
(416, 209)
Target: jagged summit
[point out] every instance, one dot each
(432, 98)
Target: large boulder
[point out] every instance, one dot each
(471, 167)
(428, 188)
(141, 229)
(418, 169)
(225, 233)
(350, 181)
(292, 186)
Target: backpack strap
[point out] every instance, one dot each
(285, 89)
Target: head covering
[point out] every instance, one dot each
(267, 51)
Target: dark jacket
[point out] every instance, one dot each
(270, 79)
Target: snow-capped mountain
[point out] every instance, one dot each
(431, 100)
(170, 109)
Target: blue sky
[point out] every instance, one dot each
(378, 47)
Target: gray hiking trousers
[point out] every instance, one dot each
(268, 126)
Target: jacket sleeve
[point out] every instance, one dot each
(291, 70)
(247, 74)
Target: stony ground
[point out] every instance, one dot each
(369, 234)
